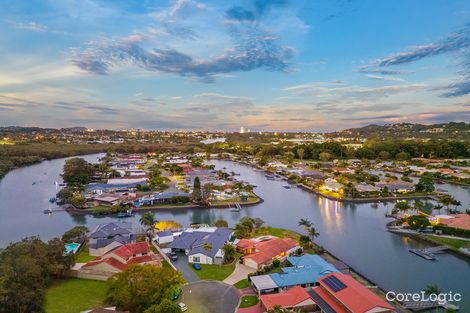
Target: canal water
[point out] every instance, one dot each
(355, 233)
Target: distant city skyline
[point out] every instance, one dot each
(278, 65)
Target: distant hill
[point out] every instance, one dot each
(407, 130)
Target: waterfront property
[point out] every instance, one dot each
(295, 299)
(203, 245)
(118, 259)
(262, 251)
(305, 271)
(341, 293)
(460, 221)
(106, 237)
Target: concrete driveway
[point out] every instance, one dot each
(210, 297)
(182, 265)
(241, 272)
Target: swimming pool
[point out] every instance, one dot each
(71, 247)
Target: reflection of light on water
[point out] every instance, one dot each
(330, 209)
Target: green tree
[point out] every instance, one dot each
(418, 221)
(305, 223)
(432, 289)
(258, 222)
(229, 252)
(403, 156)
(77, 171)
(305, 241)
(166, 306)
(278, 309)
(139, 287)
(312, 232)
(324, 156)
(148, 221)
(384, 155)
(220, 223)
(76, 234)
(425, 184)
(300, 153)
(197, 193)
(403, 206)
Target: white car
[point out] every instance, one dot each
(183, 307)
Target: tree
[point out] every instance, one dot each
(278, 309)
(305, 241)
(447, 200)
(305, 223)
(197, 194)
(432, 289)
(258, 222)
(220, 223)
(139, 287)
(402, 156)
(77, 171)
(402, 206)
(166, 306)
(425, 184)
(300, 153)
(148, 221)
(324, 156)
(384, 155)
(244, 227)
(76, 234)
(312, 232)
(289, 156)
(419, 205)
(418, 221)
(229, 252)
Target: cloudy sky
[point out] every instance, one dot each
(305, 65)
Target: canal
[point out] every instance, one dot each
(355, 233)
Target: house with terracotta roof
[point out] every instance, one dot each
(295, 298)
(118, 259)
(461, 221)
(262, 251)
(340, 293)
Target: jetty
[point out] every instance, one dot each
(237, 208)
(429, 253)
(426, 305)
(50, 211)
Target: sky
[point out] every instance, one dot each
(300, 65)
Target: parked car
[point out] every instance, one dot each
(183, 307)
(197, 266)
(173, 256)
(177, 294)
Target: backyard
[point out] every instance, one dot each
(74, 295)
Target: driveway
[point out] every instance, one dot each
(182, 265)
(241, 272)
(210, 297)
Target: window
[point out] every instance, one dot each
(196, 259)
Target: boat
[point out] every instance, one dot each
(424, 254)
(128, 213)
(287, 186)
(270, 177)
(52, 200)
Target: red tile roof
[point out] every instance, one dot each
(461, 221)
(355, 297)
(110, 261)
(287, 299)
(268, 249)
(330, 300)
(131, 249)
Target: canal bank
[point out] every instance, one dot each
(354, 232)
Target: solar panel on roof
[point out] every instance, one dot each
(334, 283)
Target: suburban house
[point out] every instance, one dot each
(305, 271)
(461, 221)
(163, 237)
(364, 187)
(118, 259)
(203, 245)
(106, 237)
(399, 186)
(262, 251)
(341, 293)
(295, 299)
(332, 185)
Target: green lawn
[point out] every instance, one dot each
(248, 301)
(74, 295)
(454, 243)
(82, 256)
(214, 272)
(278, 232)
(244, 283)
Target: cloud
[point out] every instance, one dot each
(31, 26)
(240, 14)
(208, 102)
(381, 71)
(385, 78)
(254, 49)
(352, 92)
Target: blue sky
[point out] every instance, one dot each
(303, 65)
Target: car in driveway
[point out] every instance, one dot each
(183, 307)
(197, 266)
(173, 256)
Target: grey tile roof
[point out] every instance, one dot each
(110, 230)
(216, 239)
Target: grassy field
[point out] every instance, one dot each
(248, 301)
(74, 295)
(214, 272)
(454, 243)
(244, 283)
(278, 232)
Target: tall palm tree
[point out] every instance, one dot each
(432, 289)
(148, 221)
(312, 232)
(305, 223)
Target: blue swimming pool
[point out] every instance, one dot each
(72, 247)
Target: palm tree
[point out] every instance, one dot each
(438, 208)
(432, 289)
(312, 232)
(148, 221)
(419, 205)
(402, 206)
(305, 223)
